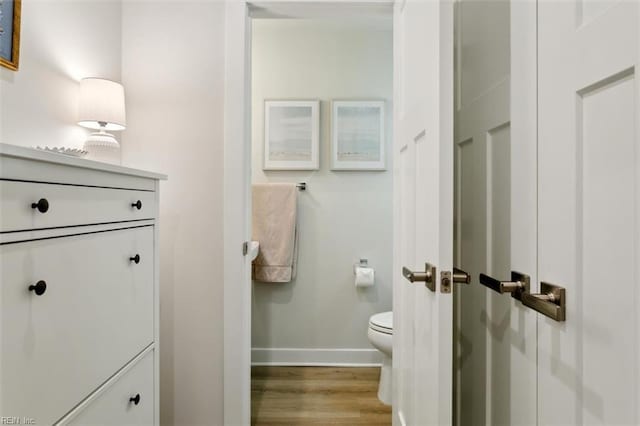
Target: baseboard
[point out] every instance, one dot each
(316, 357)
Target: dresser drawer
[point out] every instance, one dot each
(128, 400)
(96, 314)
(69, 205)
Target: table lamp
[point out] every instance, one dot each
(101, 108)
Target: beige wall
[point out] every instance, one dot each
(344, 216)
(61, 42)
(173, 70)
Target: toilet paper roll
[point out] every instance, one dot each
(365, 277)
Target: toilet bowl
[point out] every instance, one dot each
(381, 337)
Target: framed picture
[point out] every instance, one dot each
(292, 135)
(10, 33)
(357, 135)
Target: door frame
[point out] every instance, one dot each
(524, 179)
(237, 178)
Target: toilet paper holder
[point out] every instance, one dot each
(363, 263)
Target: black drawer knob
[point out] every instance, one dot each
(135, 259)
(42, 205)
(135, 399)
(39, 288)
(137, 205)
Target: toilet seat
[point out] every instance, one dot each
(382, 322)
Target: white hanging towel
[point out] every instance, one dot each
(275, 228)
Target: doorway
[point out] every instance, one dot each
(321, 86)
(238, 301)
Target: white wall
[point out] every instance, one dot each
(173, 70)
(344, 216)
(61, 42)
(174, 88)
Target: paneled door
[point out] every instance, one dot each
(494, 348)
(589, 210)
(423, 216)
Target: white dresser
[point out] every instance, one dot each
(78, 291)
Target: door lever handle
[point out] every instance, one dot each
(552, 302)
(428, 276)
(518, 285)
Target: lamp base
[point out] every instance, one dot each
(101, 139)
(102, 146)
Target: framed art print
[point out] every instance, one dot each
(357, 135)
(292, 135)
(10, 33)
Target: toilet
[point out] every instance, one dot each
(381, 337)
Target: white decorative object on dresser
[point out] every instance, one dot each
(78, 291)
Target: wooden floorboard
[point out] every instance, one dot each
(316, 396)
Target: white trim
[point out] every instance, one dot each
(237, 210)
(316, 357)
(317, 364)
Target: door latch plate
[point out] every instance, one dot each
(445, 282)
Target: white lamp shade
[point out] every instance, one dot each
(101, 101)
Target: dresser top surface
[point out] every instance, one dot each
(15, 151)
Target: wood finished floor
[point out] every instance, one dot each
(316, 396)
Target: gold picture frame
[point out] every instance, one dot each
(12, 63)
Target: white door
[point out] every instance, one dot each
(589, 210)
(423, 219)
(495, 370)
